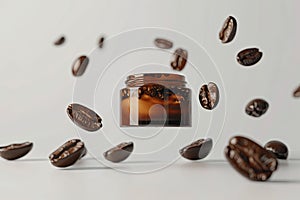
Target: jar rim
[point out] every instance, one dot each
(168, 79)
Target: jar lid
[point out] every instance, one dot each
(166, 79)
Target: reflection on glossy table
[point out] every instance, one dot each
(213, 179)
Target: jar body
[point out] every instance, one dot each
(159, 101)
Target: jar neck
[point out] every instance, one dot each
(164, 79)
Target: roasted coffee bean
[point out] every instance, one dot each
(248, 57)
(179, 59)
(15, 151)
(80, 65)
(257, 107)
(278, 148)
(60, 41)
(297, 92)
(67, 154)
(155, 90)
(228, 30)
(101, 41)
(119, 153)
(84, 117)
(209, 96)
(250, 159)
(197, 150)
(163, 43)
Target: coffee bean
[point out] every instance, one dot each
(248, 57)
(257, 107)
(228, 30)
(80, 65)
(15, 151)
(209, 96)
(278, 148)
(84, 117)
(250, 159)
(59, 41)
(197, 150)
(68, 154)
(163, 43)
(101, 41)
(119, 153)
(297, 92)
(179, 59)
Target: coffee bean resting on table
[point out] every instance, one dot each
(228, 30)
(15, 151)
(84, 117)
(250, 159)
(279, 149)
(209, 96)
(68, 154)
(120, 152)
(257, 107)
(197, 150)
(179, 59)
(163, 43)
(250, 56)
(80, 65)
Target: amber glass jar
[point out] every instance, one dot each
(155, 99)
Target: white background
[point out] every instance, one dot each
(36, 83)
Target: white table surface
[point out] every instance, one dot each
(210, 179)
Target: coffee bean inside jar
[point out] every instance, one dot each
(155, 99)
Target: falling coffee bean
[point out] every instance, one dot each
(61, 40)
(101, 41)
(67, 154)
(278, 148)
(297, 92)
(228, 30)
(179, 59)
(257, 107)
(163, 43)
(80, 65)
(250, 159)
(248, 57)
(119, 153)
(84, 117)
(197, 150)
(209, 96)
(15, 151)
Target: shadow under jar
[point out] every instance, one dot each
(155, 99)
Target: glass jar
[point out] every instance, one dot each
(155, 99)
